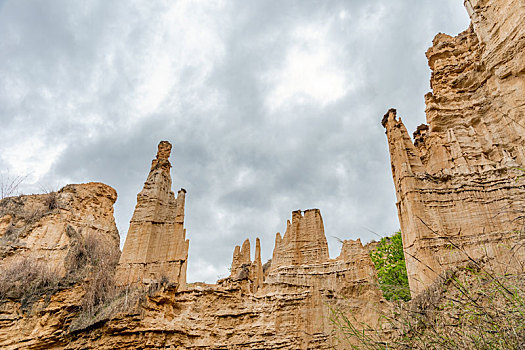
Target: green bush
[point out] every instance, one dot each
(389, 261)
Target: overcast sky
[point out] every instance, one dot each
(271, 106)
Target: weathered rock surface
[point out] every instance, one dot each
(304, 241)
(243, 269)
(459, 193)
(156, 247)
(289, 310)
(43, 227)
(459, 190)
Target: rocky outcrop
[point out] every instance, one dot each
(304, 241)
(44, 227)
(290, 309)
(460, 190)
(243, 269)
(156, 247)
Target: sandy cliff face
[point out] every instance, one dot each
(44, 227)
(458, 185)
(289, 310)
(304, 241)
(459, 192)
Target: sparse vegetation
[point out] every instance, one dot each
(94, 262)
(116, 301)
(389, 261)
(9, 184)
(51, 200)
(27, 280)
(90, 261)
(470, 307)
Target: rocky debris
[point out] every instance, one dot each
(156, 247)
(460, 190)
(44, 227)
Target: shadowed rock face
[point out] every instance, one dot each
(156, 245)
(459, 191)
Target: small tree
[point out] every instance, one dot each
(9, 184)
(389, 261)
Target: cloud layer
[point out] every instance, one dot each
(271, 106)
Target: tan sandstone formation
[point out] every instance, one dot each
(289, 310)
(156, 247)
(243, 268)
(304, 241)
(459, 185)
(44, 227)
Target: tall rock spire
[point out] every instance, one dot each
(156, 246)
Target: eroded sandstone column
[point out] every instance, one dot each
(244, 269)
(460, 190)
(156, 247)
(304, 241)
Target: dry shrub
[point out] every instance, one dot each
(123, 300)
(50, 200)
(470, 307)
(9, 184)
(92, 260)
(27, 280)
(10, 233)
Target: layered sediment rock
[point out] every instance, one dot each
(460, 190)
(156, 247)
(304, 241)
(289, 310)
(44, 227)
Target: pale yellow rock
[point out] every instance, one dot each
(156, 247)
(457, 183)
(459, 189)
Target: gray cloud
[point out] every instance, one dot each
(271, 106)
